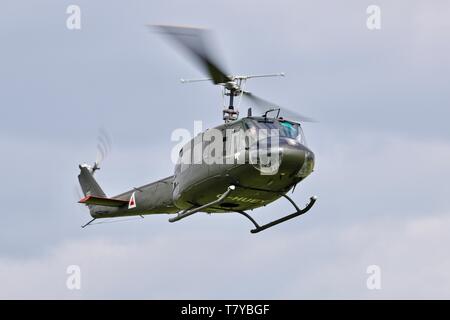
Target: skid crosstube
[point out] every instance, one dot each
(299, 212)
(187, 213)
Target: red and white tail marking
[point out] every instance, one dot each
(132, 202)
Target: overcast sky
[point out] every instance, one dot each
(382, 149)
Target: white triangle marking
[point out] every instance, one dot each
(132, 203)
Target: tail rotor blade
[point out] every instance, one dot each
(103, 148)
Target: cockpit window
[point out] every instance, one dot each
(289, 130)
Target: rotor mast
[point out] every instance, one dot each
(234, 88)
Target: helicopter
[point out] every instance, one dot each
(244, 163)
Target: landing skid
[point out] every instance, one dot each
(258, 228)
(299, 212)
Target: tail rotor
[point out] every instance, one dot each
(103, 149)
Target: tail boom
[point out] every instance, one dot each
(152, 198)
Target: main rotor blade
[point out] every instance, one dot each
(194, 41)
(264, 105)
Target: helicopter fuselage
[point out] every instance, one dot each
(197, 183)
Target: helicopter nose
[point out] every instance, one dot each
(296, 159)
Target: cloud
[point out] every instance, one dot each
(413, 262)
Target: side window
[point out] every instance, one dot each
(232, 141)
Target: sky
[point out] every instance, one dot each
(382, 147)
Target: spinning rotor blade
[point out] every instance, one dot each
(263, 105)
(103, 146)
(194, 41)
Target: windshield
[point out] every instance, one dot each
(285, 128)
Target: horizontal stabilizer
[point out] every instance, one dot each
(101, 201)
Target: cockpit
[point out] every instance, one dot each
(283, 128)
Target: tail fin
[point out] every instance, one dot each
(88, 184)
